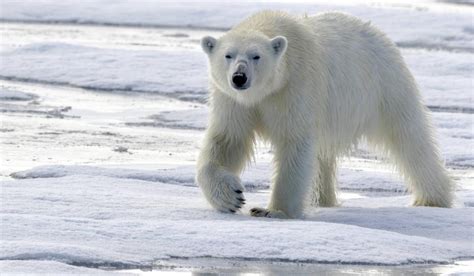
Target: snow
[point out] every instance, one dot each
(456, 134)
(47, 267)
(113, 69)
(194, 118)
(445, 88)
(435, 25)
(445, 78)
(69, 219)
(12, 95)
(101, 121)
(255, 177)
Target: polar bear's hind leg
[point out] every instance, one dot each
(324, 183)
(406, 135)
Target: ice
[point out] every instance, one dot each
(13, 95)
(28, 267)
(456, 137)
(102, 110)
(445, 78)
(436, 25)
(71, 218)
(256, 177)
(138, 71)
(195, 118)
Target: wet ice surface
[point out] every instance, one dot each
(98, 150)
(431, 24)
(444, 76)
(214, 266)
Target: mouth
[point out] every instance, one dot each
(240, 88)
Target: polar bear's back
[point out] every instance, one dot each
(364, 68)
(347, 40)
(339, 63)
(354, 50)
(331, 46)
(269, 22)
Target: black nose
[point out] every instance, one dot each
(239, 79)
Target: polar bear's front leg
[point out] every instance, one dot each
(294, 170)
(221, 188)
(225, 150)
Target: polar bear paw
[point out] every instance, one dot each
(262, 212)
(224, 191)
(434, 202)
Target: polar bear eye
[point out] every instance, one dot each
(256, 57)
(228, 57)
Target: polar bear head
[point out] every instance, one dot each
(246, 66)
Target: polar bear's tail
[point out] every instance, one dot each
(407, 136)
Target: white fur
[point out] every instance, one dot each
(321, 84)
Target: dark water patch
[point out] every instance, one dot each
(7, 94)
(451, 109)
(7, 129)
(458, 2)
(218, 266)
(187, 96)
(435, 46)
(47, 111)
(113, 24)
(177, 35)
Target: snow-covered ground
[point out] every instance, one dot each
(102, 112)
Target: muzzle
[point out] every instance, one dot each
(239, 78)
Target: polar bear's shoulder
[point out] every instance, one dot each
(342, 24)
(269, 22)
(266, 17)
(272, 22)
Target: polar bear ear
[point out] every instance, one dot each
(208, 44)
(279, 44)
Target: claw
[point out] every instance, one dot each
(238, 191)
(232, 211)
(260, 212)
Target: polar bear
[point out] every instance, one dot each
(313, 87)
